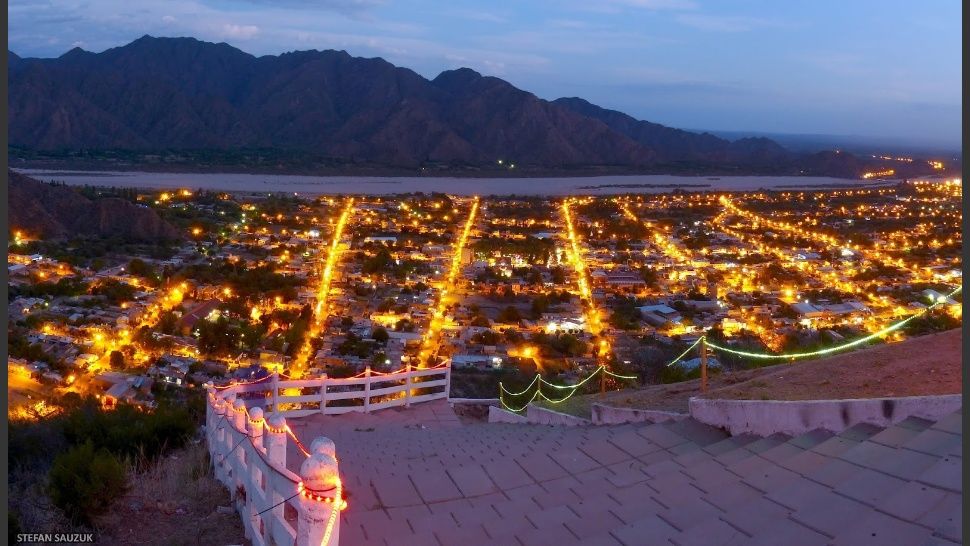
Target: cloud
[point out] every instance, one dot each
(616, 6)
(168, 19)
(477, 15)
(239, 32)
(722, 23)
(346, 7)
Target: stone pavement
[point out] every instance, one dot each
(421, 476)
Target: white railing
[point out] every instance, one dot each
(366, 392)
(248, 450)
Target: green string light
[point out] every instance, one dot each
(683, 354)
(538, 381)
(887, 330)
(503, 392)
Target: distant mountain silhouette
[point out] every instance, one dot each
(51, 212)
(158, 94)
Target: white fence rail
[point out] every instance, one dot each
(248, 450)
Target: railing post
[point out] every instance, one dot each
(323, 445)
(256, 427)
(448, 381)
(276, 392)
(216, 448)
(225, 437)
(407, 385)
(318, 525)
(703, 365)
(367, 389)
(239, 415)
(323, 394)
(238, 454)
(274, 440)
(253, 474)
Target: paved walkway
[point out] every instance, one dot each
(422, 477)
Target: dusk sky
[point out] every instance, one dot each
(874, 67)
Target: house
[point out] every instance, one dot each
(659, 314)
(479, 361)
(695, 363)
(806, 310)
(935, 297)
(625, 279)
(188, 322)
(704, 305)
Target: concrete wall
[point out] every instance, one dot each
(609, 415)
(499, 415)
(765, 417)
(542, 416)
(477, 408)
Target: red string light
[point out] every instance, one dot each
(299, 444)
(337, 500)
(241, 383)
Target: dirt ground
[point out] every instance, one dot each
(925, 365)
(175, 503)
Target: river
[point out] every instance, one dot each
(329, 185)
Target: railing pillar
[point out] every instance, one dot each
(323, 393)
(367, 389)
(217, 447)
(274, 439)
(407, 385)
(323, 445)
(256, 427)
(237, 457)
(318, 524)
(448, 381)
(253, 474)
(276, 392)
(239, 415)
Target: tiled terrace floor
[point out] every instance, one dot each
(421, 476)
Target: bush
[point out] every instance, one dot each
(117, 360)
(83, 481)
(128, 431)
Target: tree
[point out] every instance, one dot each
(138, 267)
(509, 314)
(83, 481)
(481, 320)
(117, 360)
(380, 335)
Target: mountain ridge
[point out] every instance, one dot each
(158, 94)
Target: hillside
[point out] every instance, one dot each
(924, 365)
(50, 211)
(156, 95)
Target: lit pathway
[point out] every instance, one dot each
(820, 239)
(661, 242)
(575, 254)
(321, 309)
(432, 337)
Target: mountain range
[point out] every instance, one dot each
(159, 95)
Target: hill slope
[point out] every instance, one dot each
(56, 211)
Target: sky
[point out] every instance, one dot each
(883, 68)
